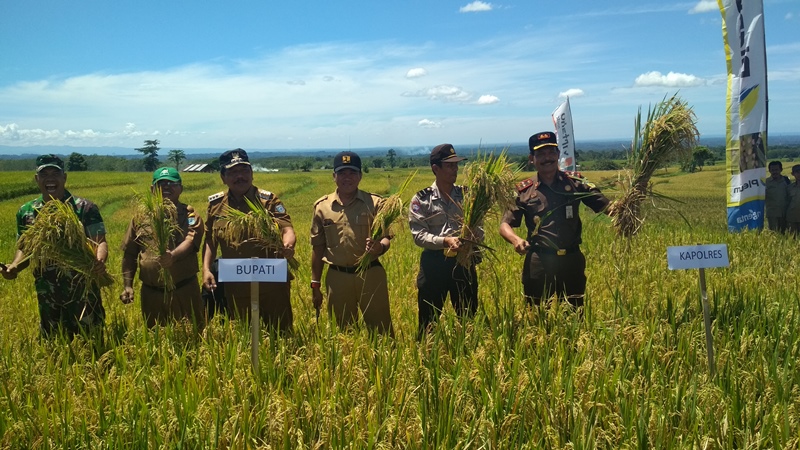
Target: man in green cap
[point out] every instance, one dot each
(181, 299)
(65, 303)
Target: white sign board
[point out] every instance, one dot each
(697, 256)
(269, 270)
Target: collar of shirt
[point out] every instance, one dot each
(360, 195)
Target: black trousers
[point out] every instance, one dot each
(546, 274)
(439, 276)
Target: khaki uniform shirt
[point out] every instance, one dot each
(551, 212)
(432, 216)
(793, 211)
(134, 244)
(777, 196)
(344, 229)
(247, 249)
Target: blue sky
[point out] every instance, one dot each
(353, 74)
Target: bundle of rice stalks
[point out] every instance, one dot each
(669, 133)
(490, 182)
(386, 214)
(57, 239)
(156, 222)
(256, 226)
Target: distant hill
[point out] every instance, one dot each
(12, 152)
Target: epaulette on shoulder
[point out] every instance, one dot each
(525, 184)
(216, 197)
(320, 200)
(264, 195)
(574, 174)
(425, 192)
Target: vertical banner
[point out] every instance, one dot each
(746, 124)
(562, 119)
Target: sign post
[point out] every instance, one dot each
(254, 271)
(701, 257)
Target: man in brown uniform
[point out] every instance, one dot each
(340, 235)
(549, 202)
(160, 303)
(274, 302)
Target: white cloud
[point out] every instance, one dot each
(476, 6)
(426, 123)
(671, 79)
(487, 100)
(574, 92)
(416, 72)
(443, 93)
(789, 16)
(704, 6)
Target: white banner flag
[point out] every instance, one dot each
(562, 119)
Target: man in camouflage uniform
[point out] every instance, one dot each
(65, 303)
(549, 202)
(182, 300)
(340, 235)
(435, 218)
(274, 302)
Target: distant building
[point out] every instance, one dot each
(199, 168)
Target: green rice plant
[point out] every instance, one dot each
(490, 183)
(57, 238)
(668, 134)
(257, 226)
(386, 214)
(156, 223)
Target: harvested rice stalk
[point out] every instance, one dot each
(490, 182)
(669, 133)
(386, 214)
(257, 226)
(156, 222)
(57, 239)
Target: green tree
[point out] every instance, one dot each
(150, 152)
(306, 165)
(702, 155)
(377, 162)
(177, 157)
(391, 155)
(77, 163)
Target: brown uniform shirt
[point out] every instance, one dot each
(344, 229)
(190, 225)
(551, 212)
(247, 249)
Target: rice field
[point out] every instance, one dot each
(630, 373)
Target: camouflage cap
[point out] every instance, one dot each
(49, 160)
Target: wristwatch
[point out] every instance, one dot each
(315, 284)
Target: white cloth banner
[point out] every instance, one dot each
(562, 119)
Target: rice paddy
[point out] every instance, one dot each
(630, 373)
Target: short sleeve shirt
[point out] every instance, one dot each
(344, 229)
(551, 213)
(432, 216)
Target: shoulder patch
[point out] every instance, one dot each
(425, 192)
(264, 195)
(574, 174)
(215, 197)
(525, 184)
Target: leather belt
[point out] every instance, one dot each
(352, 269)
(554, 251)
(178, 285)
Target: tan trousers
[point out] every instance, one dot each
(274, 305)
(368, 292)
(159, 307)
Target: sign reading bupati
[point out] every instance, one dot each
(268, 270)
(697, 256)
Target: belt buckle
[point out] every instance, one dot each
(561, 252)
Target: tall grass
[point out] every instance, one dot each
(630, 373)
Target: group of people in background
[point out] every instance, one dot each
(548, 203)
(782, 200)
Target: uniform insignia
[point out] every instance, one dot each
(192, 220)
(216, 196)
(415, 205)
(280, 209)
(425, 193)
(524, 184)
(567, 188)
(265, 195)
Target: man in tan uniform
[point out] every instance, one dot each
(340, 234)
(160, 304)
(275, 307)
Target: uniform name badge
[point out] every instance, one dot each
(569, 211)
